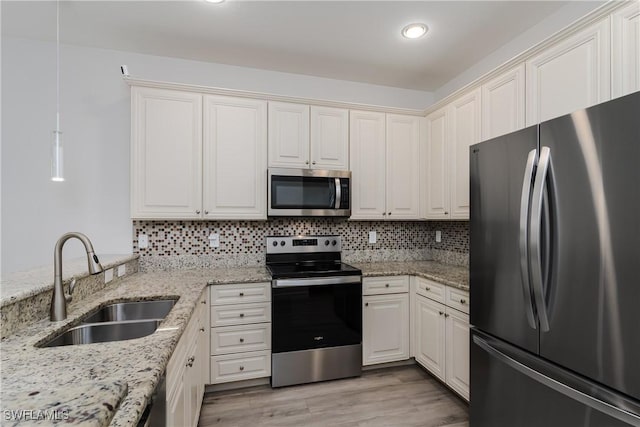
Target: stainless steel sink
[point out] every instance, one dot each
(104, 332)
(137, 310)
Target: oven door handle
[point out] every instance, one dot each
(318, 281)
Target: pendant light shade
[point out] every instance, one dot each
(57, 159)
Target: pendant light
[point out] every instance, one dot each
(57, 162)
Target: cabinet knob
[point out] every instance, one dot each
(198, 212)
(366, 304)
(313, 163)
(446, 315)
(241, 294)
(427, 288)
(190, 361)
(201, 329)
(206, 212)
(384, 213)
(441, 313)
(204, 302)
(446, 213)
(241, 368)
(463, 301)
(241, 314)
(241, 339)
(306, 162)
(389, 213)
(386, 285)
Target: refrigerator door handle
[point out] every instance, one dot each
(597, 404)
(524, 236)
(534, 239)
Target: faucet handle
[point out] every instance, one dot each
(72, 286)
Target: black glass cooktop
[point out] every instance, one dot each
(312, 269)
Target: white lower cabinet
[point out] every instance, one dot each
(240, 332)
(441, 333)
(187, 371)
(385, 321)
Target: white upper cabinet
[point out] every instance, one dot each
(573, 74)
(503, 103)
(464, 128)
(403, 163)
(235, 158)
(288, 135)
(166, 153)
(437, 166)
(367, 152)
(308, 137)
(329, 138)
(625, 30)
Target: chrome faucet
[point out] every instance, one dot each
(59, 299)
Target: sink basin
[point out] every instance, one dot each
(137, 310)
(104, 332)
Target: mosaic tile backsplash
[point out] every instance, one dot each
(185, 244)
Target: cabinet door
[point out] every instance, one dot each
(570, 75)
(235, 158)
(329, 138)
(457, 364)
(437, 157)
(403, 163)
(176, 409)
(192, 386)
(503, 104)
(288, 135)
(625, 30)
(368, 156)
(429, 335)
(385, 328)
(166, 154)
(464, 131)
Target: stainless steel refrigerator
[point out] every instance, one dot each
(555, 272)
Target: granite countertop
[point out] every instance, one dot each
(451, 275)
(84, 383)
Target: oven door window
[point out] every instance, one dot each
(302, 192)
(312, 317)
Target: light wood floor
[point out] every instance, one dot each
(400, 396)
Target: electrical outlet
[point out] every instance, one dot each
(214, 240)
(143, 241)
(122, 270)
(108, 275)
(373, 237)
(438, 236)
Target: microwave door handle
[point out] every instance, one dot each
(338, 193)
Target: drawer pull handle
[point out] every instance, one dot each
(463, 301)
(241, 368)
(241, 339)
(241, 314)
(386, 285)
(204, 302)
(190, 361)
(241, 294)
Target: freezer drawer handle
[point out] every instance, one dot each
(544, 167)
(524, 236)
(598, 405)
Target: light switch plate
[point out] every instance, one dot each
(108, 275)
(373, 237)
(214, 240)
(143, 241)
(438, 236)
(122, 270)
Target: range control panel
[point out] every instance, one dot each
(303, 244)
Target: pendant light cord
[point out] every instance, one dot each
(58, 65)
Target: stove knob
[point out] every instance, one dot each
(335, 242)
(275, 243)
(326, 243)
(281, 242)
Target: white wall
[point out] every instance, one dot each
(95, 120)
(534, 35)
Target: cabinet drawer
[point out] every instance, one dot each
(243, 366)
(240, 314)
(236, 339)
(429, 289)
(385, 285)
(237, 293)
(458, 299)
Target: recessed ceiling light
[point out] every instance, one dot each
(414, 31)
(214, 1)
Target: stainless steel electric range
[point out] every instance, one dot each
(316, 307)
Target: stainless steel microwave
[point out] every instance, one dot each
(308, 192)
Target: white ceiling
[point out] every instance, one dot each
(346, 40)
